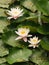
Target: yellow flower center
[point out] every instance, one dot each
(22, 32)
(15, 12)
(34, 40)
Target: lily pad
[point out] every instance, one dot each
(5, 3)
(2, 60)
(3, 23)
(3, 50)
(18, 55)
(42, 5)
(39, 57)
(29, 6)
(2, 12)
(45, 43)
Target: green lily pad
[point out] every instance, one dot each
(3, 50)
(3, 23)
(42, 5)
(39, 57)
(18, 55)
(43, 29)
(45, 43)
(9, 39)
(2, 60)
(2, 12)
(5, 3)
(29, 24)
(29, 6)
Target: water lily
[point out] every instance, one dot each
(23, 34)
(15, 13)
(34, 42)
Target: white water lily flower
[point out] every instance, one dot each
(23, 34)
(15, 13)
(34, 42)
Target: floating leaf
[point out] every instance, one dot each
(39, 57)
(42, 5)
(23, 63)
(3, 23)
(29, 24)
(2, 12)
(43, 29)
(9, 38)
(3, 51)
(45, 43)
(29, 6)
(5, 3)
(4, 64)
(2, 60)
(18, 55)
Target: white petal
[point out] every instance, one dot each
(9, 12)
(20, 15)
(29, 41)
(29, 35)
(18, 38)
(21, 11)
(16, 32)
(28, 30)
(12, 9)
(34, 37)
(34, 46)
(30, 45)
(25, 39)
(15, 17)
(39, 41)
(9, 17)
